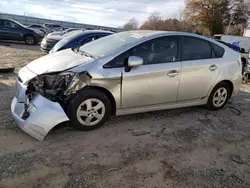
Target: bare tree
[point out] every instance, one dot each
(239, 15)
(156, 22)
(131, 25)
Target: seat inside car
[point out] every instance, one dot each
(163, 51)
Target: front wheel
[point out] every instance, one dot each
(218, 97)
(89, 109)
(30, 40)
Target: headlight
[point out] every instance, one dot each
(52, 81)
(56, 86)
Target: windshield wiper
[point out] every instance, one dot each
(86, 54)
(75, 49)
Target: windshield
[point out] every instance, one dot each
(107, 45)
(68, 37)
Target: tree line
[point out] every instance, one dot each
(207, 17)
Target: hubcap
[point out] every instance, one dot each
(30, 40)
(90, 112)
(220, 97)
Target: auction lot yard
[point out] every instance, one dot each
(190, 147)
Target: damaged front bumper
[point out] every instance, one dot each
(41, 114)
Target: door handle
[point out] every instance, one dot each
(213, 67)
(173, 73)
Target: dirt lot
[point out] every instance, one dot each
(189, 147)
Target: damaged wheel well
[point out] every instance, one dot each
(110, 96)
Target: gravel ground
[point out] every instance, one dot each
(17, 54)
(190, 147)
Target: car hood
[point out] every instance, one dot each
(54, 37)
(55, 33)
(57, 62)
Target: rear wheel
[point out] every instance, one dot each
(219, 96)
(30, 40)
(89, 109)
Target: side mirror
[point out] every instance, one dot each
(134, 61)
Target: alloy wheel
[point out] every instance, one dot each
(30, 40)
(90, 112)
(220, 97)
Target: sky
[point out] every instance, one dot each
(112, 13)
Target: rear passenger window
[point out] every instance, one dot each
(194, 49)
(218, 51)
(2, 22)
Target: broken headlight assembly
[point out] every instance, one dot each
(57, 86)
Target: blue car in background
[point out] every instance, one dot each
(79, 38)
(235, 46)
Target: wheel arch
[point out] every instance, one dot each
(28, 34)
(109, 95)
(228, 82)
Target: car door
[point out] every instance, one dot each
(2, 29)
(157, 80)
(12, 30)
(200, 68)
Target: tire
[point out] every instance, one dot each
(30, 40)
(80, 111)
(221, 87)
(245, 78)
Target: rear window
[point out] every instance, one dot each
(218, 51)
(195, 48)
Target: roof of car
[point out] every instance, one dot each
(146, 33)
(97, 31)
(152, 34)
(7, 19)
(84, 32)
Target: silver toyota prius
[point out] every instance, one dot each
(125, 73)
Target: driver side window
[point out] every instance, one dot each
(159, 50)
(10, 24)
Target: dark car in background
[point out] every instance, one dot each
(63, 32)
(79, 38)
(52, 27)
(13, 30)
(39, 27)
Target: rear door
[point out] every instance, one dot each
(200, 68)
